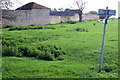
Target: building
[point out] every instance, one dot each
(87, 16)
(29, 14)
(64, 16)
(36, 14)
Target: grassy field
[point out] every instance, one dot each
(60, 51)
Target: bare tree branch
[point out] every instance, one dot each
(7, 4)
(81, 6)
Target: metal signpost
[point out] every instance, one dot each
(106, 12)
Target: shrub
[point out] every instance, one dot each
(9, 51)
(45, 56)
(109, 68)
(72, 22)
(57, 53)
(44, 52)
(23, 51)
(81, 30)
(40, 27)
(60, 58)
(27, 51)
(9, 26)
(51, 51)
(9, 42)
(62, 26)
(19, 28)
(29, 27)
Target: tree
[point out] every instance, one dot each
(67, 9)
(93, 12)
(81, 6)
(54, 9)
(61, 9)
(7, 4)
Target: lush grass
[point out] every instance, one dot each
(32, 68)
(78, 46)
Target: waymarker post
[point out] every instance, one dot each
(106, 12)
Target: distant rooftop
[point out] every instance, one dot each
(68, 13)
(64, 13)
(32, 5)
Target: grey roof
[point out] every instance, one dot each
(64, 13)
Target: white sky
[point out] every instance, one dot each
(92, 5)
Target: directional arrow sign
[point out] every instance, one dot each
(103, 12)
(112, 12)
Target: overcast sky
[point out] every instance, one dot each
(92, 5)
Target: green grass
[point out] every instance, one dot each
(81, 43)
